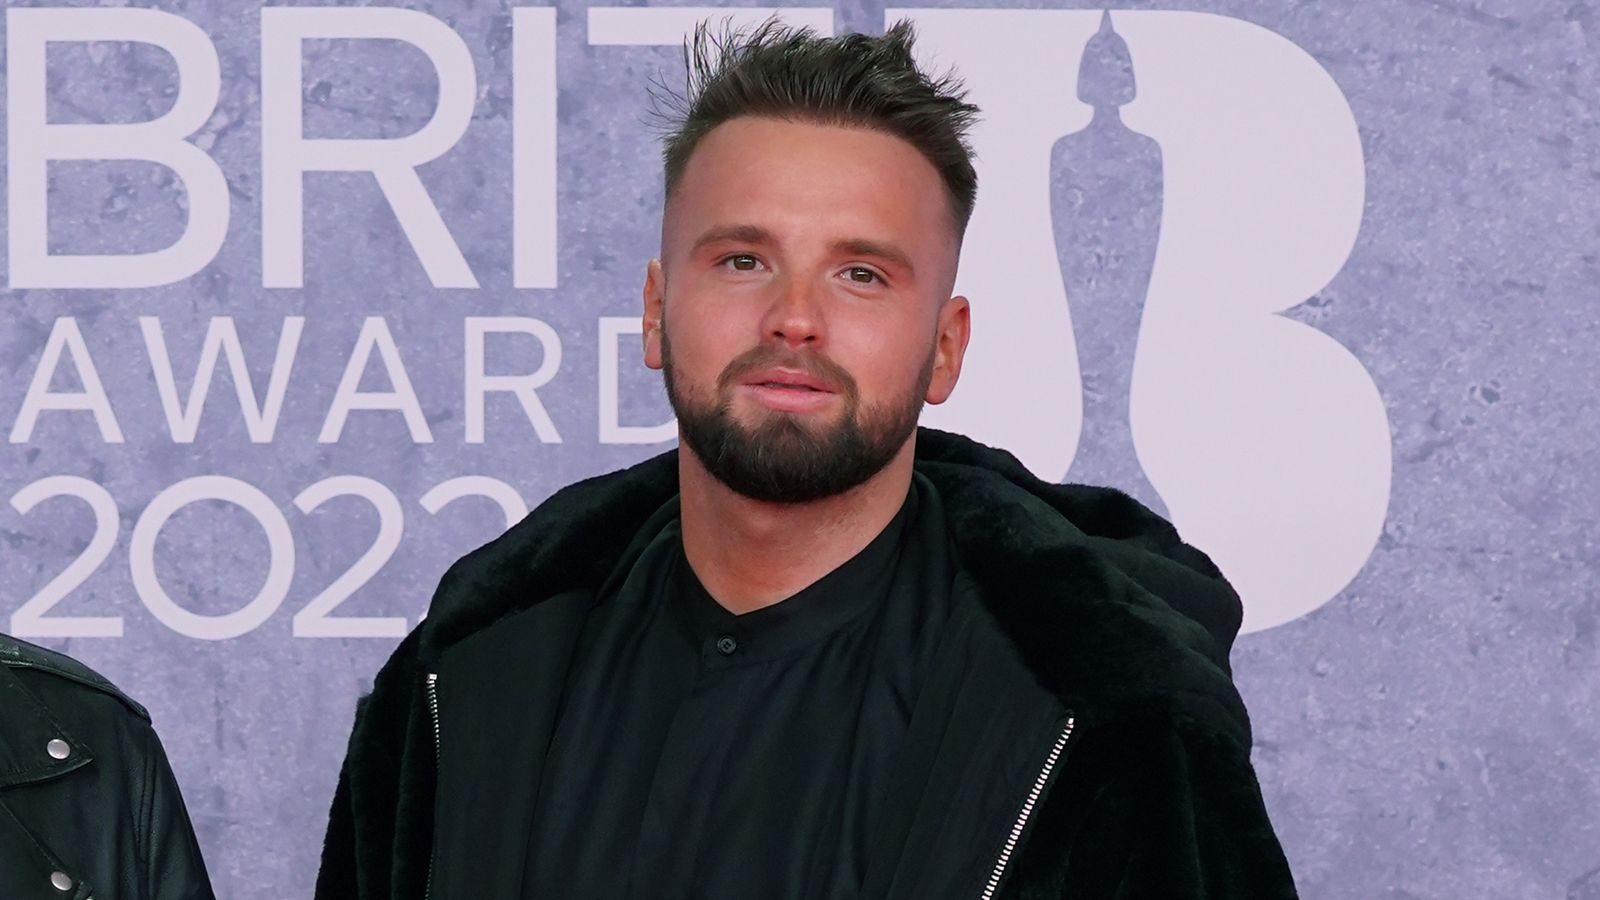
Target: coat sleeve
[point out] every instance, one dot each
(337, 875)
(374, 822)
(173, 866)
(1155, 809)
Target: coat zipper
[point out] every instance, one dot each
(433, 710)
(1027, 810)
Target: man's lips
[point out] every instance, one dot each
(792, 379)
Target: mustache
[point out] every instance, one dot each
(761, 357)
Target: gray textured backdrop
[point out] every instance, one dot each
(1429, 733)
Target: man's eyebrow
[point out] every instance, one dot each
(755, 234)
(743, 234)
(887, 252)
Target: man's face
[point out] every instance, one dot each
(800, 309)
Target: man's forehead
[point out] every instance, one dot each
(782, 185)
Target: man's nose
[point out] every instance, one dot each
(795, 315)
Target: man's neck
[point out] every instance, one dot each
(749, 554)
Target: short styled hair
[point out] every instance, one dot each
(853, 79)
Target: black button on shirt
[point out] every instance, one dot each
(702, 754)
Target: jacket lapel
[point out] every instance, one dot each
(977, 740)
(28, 865)
(27, 737)
(495, 723)
(28, 733)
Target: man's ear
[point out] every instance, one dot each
(950, 346)
(655, 288)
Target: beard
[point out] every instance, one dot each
(785, 458)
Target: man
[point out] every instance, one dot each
(815, 652)
(88, 804)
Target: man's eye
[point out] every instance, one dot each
(854, 273)
(742, 262)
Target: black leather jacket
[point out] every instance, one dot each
(88, 804)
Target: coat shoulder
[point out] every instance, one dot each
(18, 654)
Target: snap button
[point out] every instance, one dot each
(58, 749)
(726, 644)
(60, 881)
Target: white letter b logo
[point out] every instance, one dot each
(1265, 440)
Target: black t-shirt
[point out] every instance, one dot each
(702, 754)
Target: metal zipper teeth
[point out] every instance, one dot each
(1027, 810)
(433, 709)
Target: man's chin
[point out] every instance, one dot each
(779, 423)
(792, 442)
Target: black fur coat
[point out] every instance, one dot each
(1112, 613)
